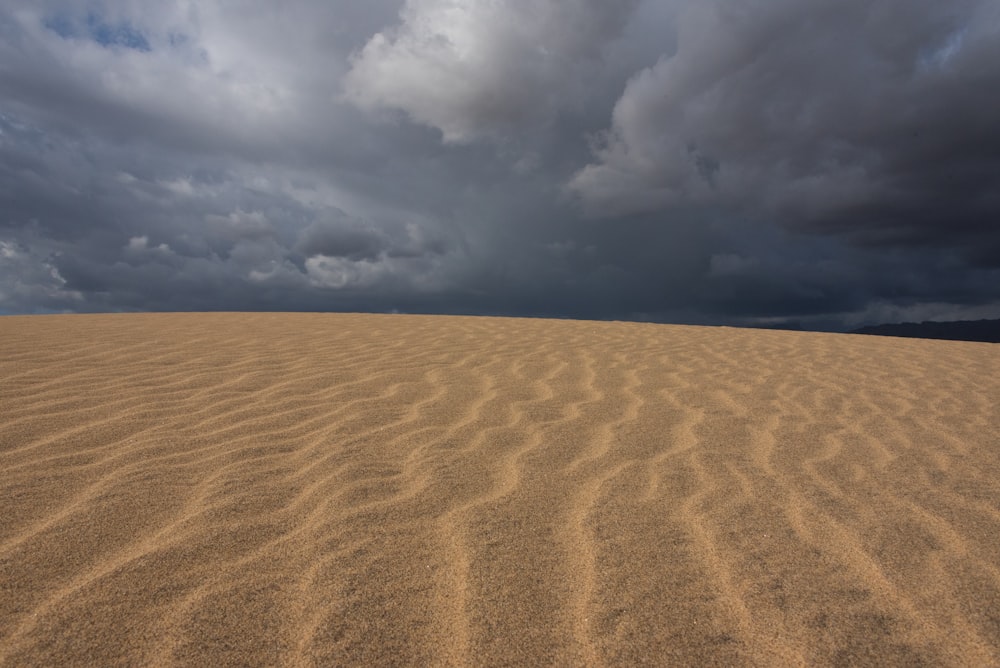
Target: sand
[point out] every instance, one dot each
(327, 489)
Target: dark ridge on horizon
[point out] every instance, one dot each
(987, 331)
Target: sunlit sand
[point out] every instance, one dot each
(325, 489)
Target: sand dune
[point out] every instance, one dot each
(318, 489)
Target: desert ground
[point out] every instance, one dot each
(339, 489)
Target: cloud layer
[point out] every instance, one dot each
(869, 120)
(824, 162)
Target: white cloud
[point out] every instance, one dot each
(339, 272)
(179, 186)
(418, 274)
(140, 246)
(209, 71)
(472, 68)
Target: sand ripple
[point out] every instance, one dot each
(298, 489)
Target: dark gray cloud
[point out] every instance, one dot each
(827, 162)
(870, 121)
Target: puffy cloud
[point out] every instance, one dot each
(871, 120)
(471, 68)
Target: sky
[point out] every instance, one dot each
(816, 163)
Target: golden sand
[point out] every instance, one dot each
(323, 489)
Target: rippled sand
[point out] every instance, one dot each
(321, 489)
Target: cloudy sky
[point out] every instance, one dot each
(824, 162)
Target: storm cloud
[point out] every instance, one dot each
(821, 162)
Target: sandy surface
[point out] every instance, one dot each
(296, 489)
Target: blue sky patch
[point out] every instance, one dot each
(95, 27)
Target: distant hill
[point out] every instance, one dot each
(959, 330)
